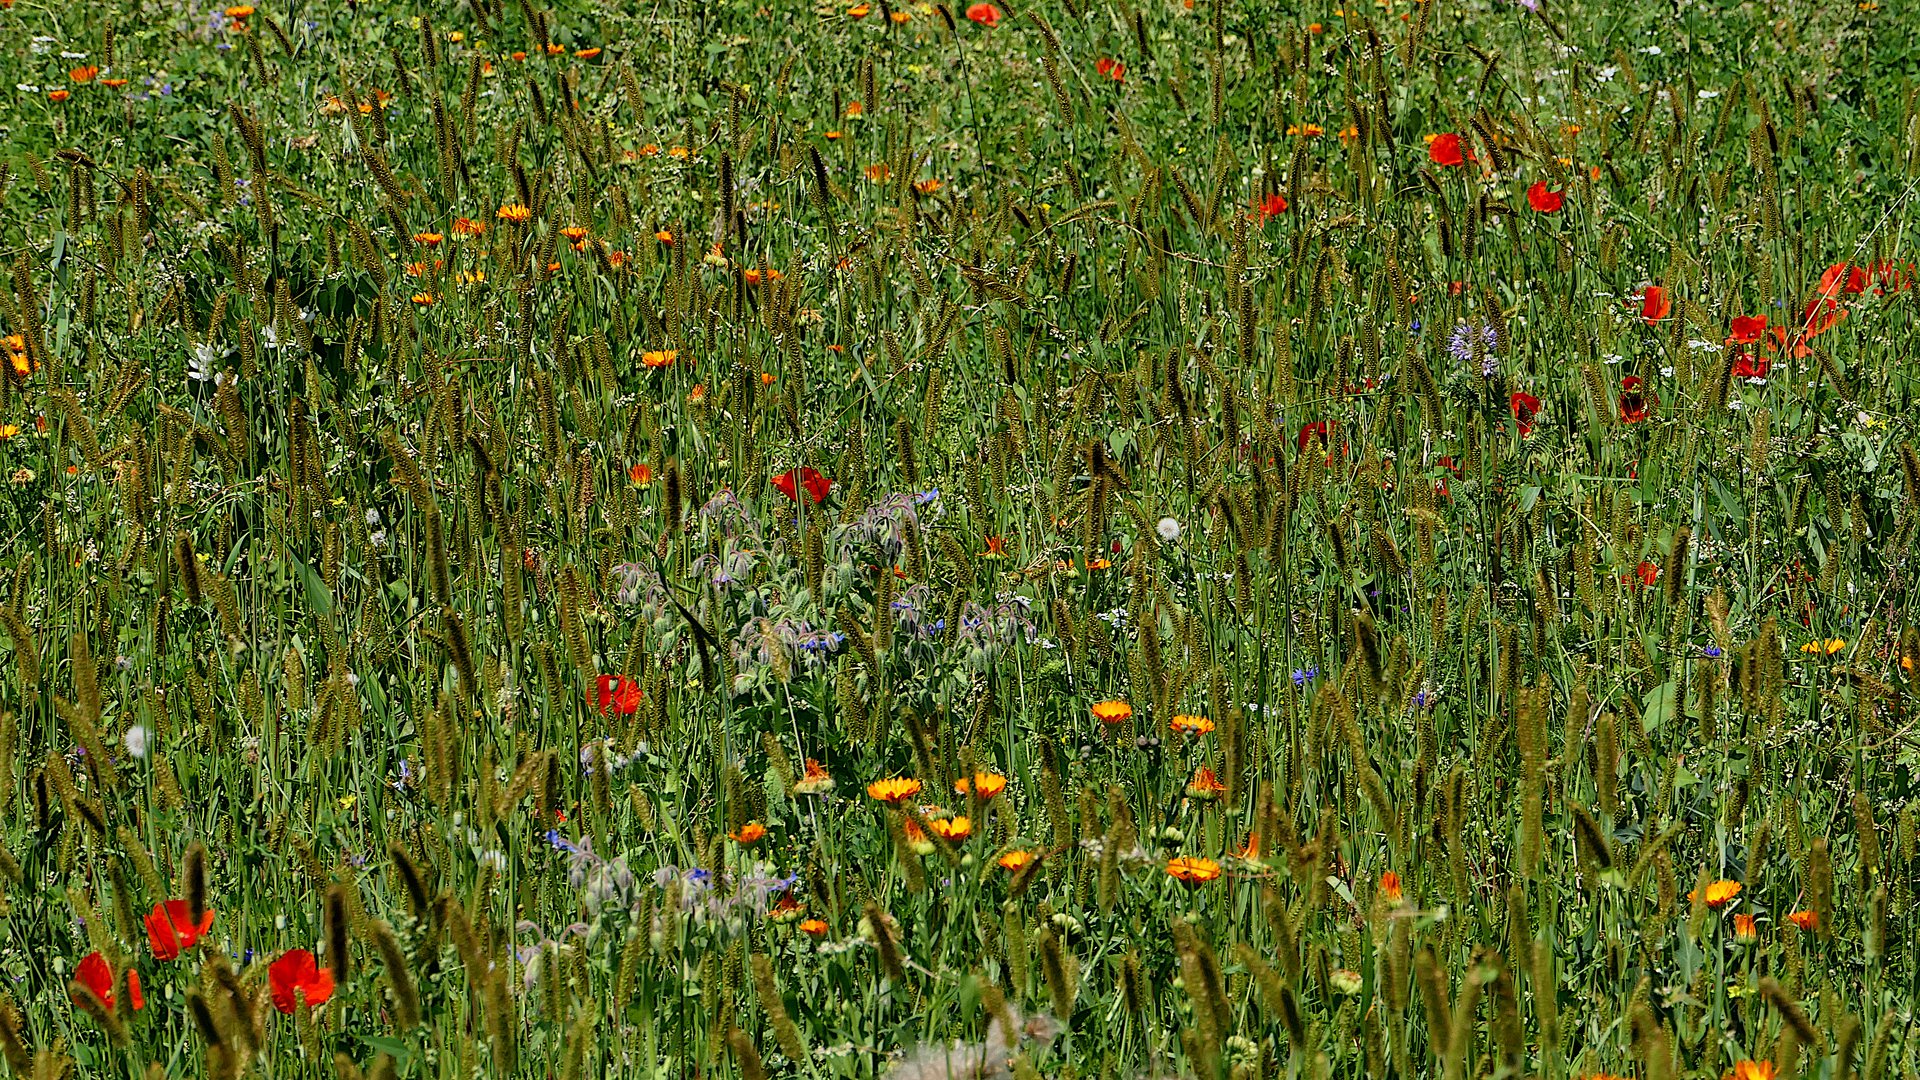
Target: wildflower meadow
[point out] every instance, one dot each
(1087, 539)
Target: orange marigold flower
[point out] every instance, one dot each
(424, 299)
(1017, 860)
(1745, 927)
(239, 11)
(860, 11)
(663, 236)
(1249, 851)
(1805, 920)
(1750, 1070)
(1390, 887)
(787, 909)
(996, 548)
(427, 238)
(878, 172)
(1112, 712)
(951, 829)
(750, 833)
(555, 50)
(816, 781)
(85, 73)
(855, 108)
(113, 83)
(574, 233)
(59, 95)
(984, 784)
(680, 152)
(767, 378)
(641, 474)
(468, 227)
(836, 134)
(659, 358)
(813, 927)
(927, 187)
(1192, 870)
(517, 213)
(894, 789)
(1205, 785)
(587, 54)
(1718, 895)
(1190, 725)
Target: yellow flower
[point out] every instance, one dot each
(1192, 870)
(894, 789)
(951, 829)
(1017, 860)
(985, 784)
(1112, 712)
(516, 213)
(1191, 725)
(1719, 893)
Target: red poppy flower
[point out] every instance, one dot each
(1634, 401)
(171, 929)
(618, 694)
(1112, 69)
(1445, 150)
(1267, 207)
(1747, 329)
(1820, 314)
(791, 481)
(1308, 432)
(1843, 278)
(1525, 407)
(95, 974)
(1891, 275)
(1654, 304)
(1546, 202)
(985, 14)
(1647, 572)
(296, 978)
(1748, 364)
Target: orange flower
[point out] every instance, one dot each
(1751, 1070)
(1112, 712)
(1805, 920)
(766, 378)
(836, 134)
(1745, 927)
(59, 95)
(927, 187)
(574, 233)
(878, 172)
(1017, 860)
(860, 11)
(749, 834)
(900, 17)
(1719, 894)
(1249, 851)
(468, 227)
(855, 108)
(428, 238)
(1190, 725)
(680, 152)
(423, 299)
(516, 213)
(83, 74)
(641, 474)
(996, 548)
(113, 83)
(1099, 563)
(1192, 870)
(985, 784)
(555, 50)
(816, 781)
(587, 54)
(813, 927)
(951, 829)
(659, 358)
(1205, 785)
(239, 11)
(787, 910)
(894, 790)
(663, 236)
(697, 395)
(752, 276)
(1390, 887)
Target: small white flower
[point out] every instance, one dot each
(373, 517)
(136, 741)
(1169, 529)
